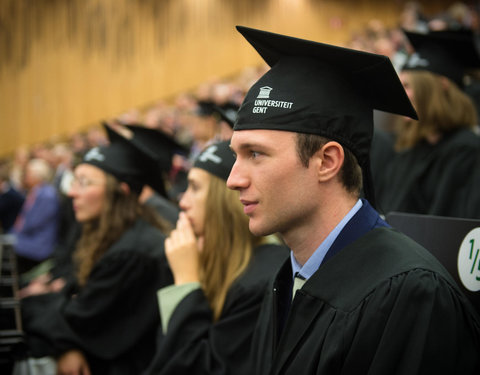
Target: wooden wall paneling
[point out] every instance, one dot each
(65, 65)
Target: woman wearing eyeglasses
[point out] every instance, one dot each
(221, 272)
(106, 323)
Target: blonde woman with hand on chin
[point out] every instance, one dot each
(220, 275)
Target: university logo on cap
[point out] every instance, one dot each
(416, 61)
(94, 154)
(264, 92)
(217, 159)
(209, 155)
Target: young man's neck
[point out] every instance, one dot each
(305, 240)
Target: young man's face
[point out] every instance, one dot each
(277, 191)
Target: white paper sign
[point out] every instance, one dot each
(469, 260)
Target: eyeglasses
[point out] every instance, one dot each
(81, 183)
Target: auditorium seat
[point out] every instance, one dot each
(454, 241)
(11, 333)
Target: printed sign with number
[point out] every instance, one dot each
(469, 260)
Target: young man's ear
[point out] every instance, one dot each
(329, 160)
(125, 188)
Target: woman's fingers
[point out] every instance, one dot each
(181, 250)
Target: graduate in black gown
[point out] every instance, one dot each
(356, 296)
(221, 273)
(106, 322)
(437, 154)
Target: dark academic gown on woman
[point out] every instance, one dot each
(471, 200)
(195, 345)
(114, 318)
(431, 179)
(379, 304)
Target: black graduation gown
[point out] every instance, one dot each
(11, 202)
(63, 254)
(380, 305)
(195, 345)
(430, 179)
(472, 192)
(113, 319)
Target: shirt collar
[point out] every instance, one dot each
(316, 259)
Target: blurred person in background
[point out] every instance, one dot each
(79, 146)
(226, 116)
(96, 137)
(51, 275)
(105, 321)
(412, 17)
(17, 168)
(11, 200)
(62, 158)
(163, 118)
(59, 271)
(436, 154)
(36, 227)
(457, 16)
(205, 127)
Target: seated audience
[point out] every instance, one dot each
(36, 227)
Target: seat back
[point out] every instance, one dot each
(12, 340)
(455, 242)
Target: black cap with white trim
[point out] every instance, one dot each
(448, 53)
(217, 159)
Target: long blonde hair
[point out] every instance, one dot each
(227, 246)
(119, 213)
(441, 107)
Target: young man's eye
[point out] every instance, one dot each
(254, 154)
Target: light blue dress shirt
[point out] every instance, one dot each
(314, 262)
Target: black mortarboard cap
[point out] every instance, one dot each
(322, 89)
(159, 148)
(156, 144)
(227, 113)
(216, 159)
(123, 160)
(205, 108)
(448, 53)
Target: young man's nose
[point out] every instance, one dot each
(236, 180)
